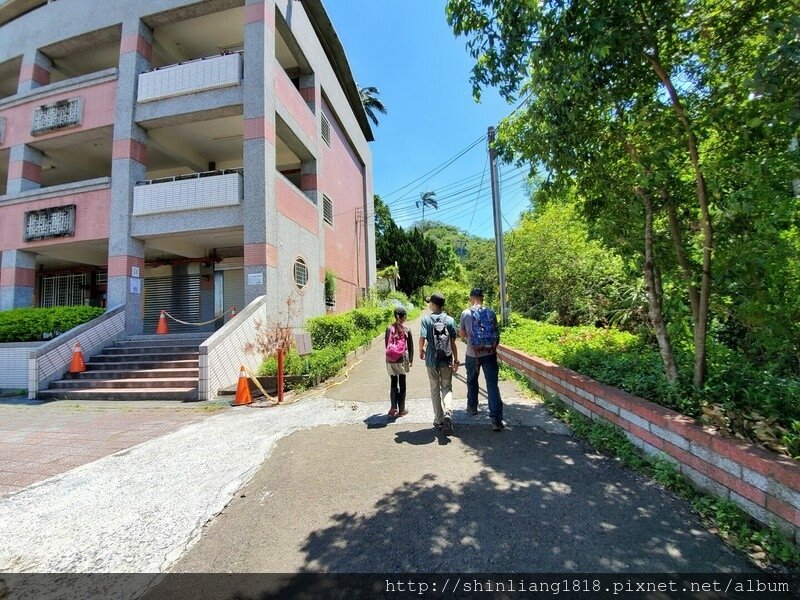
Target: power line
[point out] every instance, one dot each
(437, 168)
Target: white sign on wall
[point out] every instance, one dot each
(136, 285)
(255, 279)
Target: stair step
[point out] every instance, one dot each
(138, 382)
(154, 356)
(134, 373)
(116, 350)
(173, 393)
(135, 365)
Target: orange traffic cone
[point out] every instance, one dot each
(242, 390)
(161, 329)
(233, 311)
(77, 365)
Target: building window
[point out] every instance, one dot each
(327, 210)
(64, 113)
(62, 290)
(300, 273)
(326, 130)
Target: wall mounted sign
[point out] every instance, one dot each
(58, 221)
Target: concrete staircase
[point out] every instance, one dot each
(144, 367)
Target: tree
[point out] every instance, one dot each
(626, 101)
(371, 102)
(427, 199)
(570, 278)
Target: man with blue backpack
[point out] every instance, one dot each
(478, 328)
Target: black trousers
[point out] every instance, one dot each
(397, 391)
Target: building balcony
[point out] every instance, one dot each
(212, 189)
(190, 77)
(289, 97)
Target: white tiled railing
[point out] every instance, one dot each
(194, 76)
(188, 192)
(223, 353)
(50, 361)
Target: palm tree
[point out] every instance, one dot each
(371, 102)
(427, 199)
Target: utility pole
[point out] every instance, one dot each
(498, 228)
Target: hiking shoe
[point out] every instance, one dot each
(447, 426)
(437, 425)
(472, 411)
(393, 412)
(498, 425)
(403, 413)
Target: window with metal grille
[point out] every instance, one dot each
(327, 210)
(62, 290)
(300, 273)
(325, 127)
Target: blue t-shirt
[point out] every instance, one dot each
(426, 332)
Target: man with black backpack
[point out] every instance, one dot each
(478, 328)
(437, 346)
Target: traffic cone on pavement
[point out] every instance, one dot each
(161, 328)
(77, 365)
(242, 390)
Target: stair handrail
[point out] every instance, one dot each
(50, 361)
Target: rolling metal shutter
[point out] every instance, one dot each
(179, 296)
(233, 290)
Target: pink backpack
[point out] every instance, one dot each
(396, 347)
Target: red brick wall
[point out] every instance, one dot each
(764, 484)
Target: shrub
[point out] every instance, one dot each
(320, 364)
(34, 324)
(330, 330)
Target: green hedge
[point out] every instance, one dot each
(753, 399)
(332, 337)
(35, 324)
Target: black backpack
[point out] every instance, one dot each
(441, 339)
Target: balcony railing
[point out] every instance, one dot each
(211, 189)
(193, 76)
(64, 113)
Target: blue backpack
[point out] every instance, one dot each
(484, 332)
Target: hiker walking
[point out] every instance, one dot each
(437, 346)
(399, 358)
(478, 328)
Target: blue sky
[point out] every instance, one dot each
(406, 49)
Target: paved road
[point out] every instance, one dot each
(329, 484)
(397, 496)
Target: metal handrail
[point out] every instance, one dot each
(194, 60)
(240, 171)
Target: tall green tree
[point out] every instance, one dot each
(427, 199)
(624, 105)
(371, 103)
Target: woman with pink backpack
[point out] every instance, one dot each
(399, 358)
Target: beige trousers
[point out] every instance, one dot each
(441, 380)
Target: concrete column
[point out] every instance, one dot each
(129, 165)
(207, 295)
(310, 91)
(24, 169)
(17, 279)
(35, 71)
(261, 244)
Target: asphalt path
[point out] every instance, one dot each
(396, 495)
